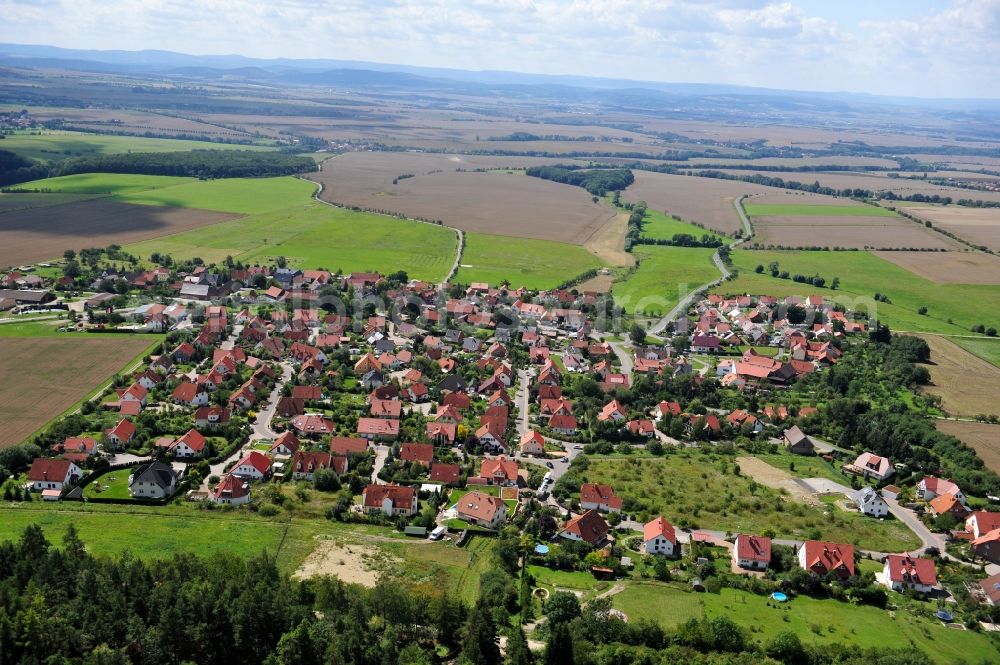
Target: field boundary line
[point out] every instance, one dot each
(459, 234)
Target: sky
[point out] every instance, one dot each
(921, 48)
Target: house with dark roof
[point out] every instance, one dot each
(589, 527)
(52, 474)
(153, 480)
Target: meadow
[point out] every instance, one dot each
(814, 621)
(951, 308)
(659, 226)
(702, 491)
(987, 348)
(535, 264)
(805, 209)
(51, 146)
(664, 276)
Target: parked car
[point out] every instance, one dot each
(550, 465)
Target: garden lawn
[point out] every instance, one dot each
(534, 264)
(111, 485)
(318, 236)
(664, 276)
(666, 605)
(492, 490)
(862, 275)
(700, 490)
(56, 146)
(795, 210)
(565, 579)
(660, 226)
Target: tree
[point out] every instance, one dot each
(759, 269)
(481, 646)
(921, 311)
(637, 334)
(562, 607)
(787, 648)
(69, 255)
(518, 652)
(835, 284)
(281, 262)
(559, 647)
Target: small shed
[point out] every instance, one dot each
(415, 531)
(51, 495)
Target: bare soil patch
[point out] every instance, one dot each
(600, 284)
(608, 243)
(44, 376)
(982, 437)
(447, 188)
(966, 383)
(977, 225)
(765, 474)
(948, 267)
(848, 232)
(707, 201)
(353, 564)
(42, 233)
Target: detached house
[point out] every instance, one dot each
(613, 411)
(500, 471)
(823, 558)
(901, 571)
(482, 509)
(752, 552)
(154, 480)
(121, 434)
(255, 466)
(599, 497)
(870, 465)
(231, 491)
(191, 444)
(306, 463)
(870, 502)
(52, 474)
(532, 443)
(391, 500)
(930, 487)
(589, 527)
(658, 537)
(798, 442)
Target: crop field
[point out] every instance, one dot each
(493, 202)
(535, 264)
(701, 491)
(315, 235)
(236, 195)
(873, 181)
(134, 122)
(43, 233)
(810, 210)
(959, 267)
(964, 381)
(660, 226)
(976, 225)
(707, 201)
(862, 275)
(791, 162)
(53, 374)
(664, 276)
(56, 145)
(17, 202)
(983, 437)
(789, 197)
(987, 348)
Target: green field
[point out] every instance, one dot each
(665, 275)
(814, 621)
(862, 275)
(703, 491)
(104, 183)
(17, 202)
(52, 146)
(315, 235)
(987, 348)
(795, 210)
(660, 226)
(534, 264)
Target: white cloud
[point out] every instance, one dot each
(755, 42)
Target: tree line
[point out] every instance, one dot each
(596, 181)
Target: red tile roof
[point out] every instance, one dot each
(602, 494)
(823, 557)
(589, 526)
(905, 569)
(753, 548)
(659, 527)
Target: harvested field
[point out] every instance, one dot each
(982, 437)
(772, 476)
(53, 374)
(783, 162)
(784, 197)
(608, 244)
(948, 267)
(849, 232)
(493, 202)
(708, 201)
(875, 182)
(44, 233)
(976, 225)
(600, 284)
(965, 382)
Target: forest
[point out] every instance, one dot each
(596, 181)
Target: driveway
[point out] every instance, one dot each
(381, 455)
(910, 519)
(262, 428)
(521, 400)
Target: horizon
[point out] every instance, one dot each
(931, 49)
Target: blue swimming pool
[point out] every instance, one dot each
(778, 596)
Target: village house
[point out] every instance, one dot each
(313, 425)
(392, 500)
(212, 417)
(286, 444)
(987, 546)
(500, 471)
(869, 465)
(658, 537)
(532, 443)
(52, 474)
(901, 572)
(599, 497)
(613, 411)
(121, 434)
(798, 442)
(378, 429)
(642, 427)
(930, 487)
(823, 558)
(752, 552)
(982, 522)
(153, 480)
(565, 425)
(346, 445)
(446, 474)
(417, 453)
(191, 444)
(482, 509)
(255, 466)
(231, 491)
(306, 463)
(869, 502)
(589, 527)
